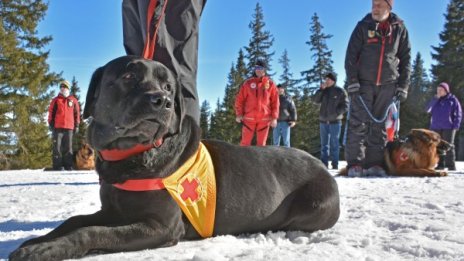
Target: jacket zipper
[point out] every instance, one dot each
(379, 71)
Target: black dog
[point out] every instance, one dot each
(135, 102)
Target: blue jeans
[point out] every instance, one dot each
(330, 136)
(281, 130)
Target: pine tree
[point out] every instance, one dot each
(80, 137)
(286, 78)
(449, 65)
(412, 111)
(24, 86)
(450, 61)
(260, 43)
(322, 56)
(204, 119)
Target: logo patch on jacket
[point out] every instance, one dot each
(370, 33)
(70, 103)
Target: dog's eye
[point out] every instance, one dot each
(129, 76)
(168, 87)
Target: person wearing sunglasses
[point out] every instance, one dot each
(257, 106)
(378, 71)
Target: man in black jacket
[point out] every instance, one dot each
(334, 103)
(377, 66)
(286, 120)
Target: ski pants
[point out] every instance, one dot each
(249, 128)
(366, 139)
(62, 149)
(176, 43)
(448, 160)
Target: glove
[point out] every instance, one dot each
(401, 95)
(50, 127)
(76, 130)
(353, 89)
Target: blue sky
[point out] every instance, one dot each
(88, 33)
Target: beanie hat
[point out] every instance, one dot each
(65, 84)
(280, 86)
(260, 63)
(332, 76)
(390, 3)
(445, 86)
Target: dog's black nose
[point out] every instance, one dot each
(160, 100)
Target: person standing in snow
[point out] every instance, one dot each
(286, 120)
(446, 116)
(378, 69)
(63, 120)
(334, 103)
(257, 106)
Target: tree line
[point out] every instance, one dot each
(27, 85)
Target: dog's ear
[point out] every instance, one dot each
(424, 136)
(92, 93)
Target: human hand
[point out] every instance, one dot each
(291, 124)
(76, 130)
(274, 123)
(50, 127)
(401, 95)
(238, 119)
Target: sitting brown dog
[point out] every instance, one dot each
(144, 140)
(415, 156)
(85, 158)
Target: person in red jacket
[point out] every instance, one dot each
(257, 106)
(63, 120)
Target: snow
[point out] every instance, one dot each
(381, 219)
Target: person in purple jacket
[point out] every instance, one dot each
(446, 116)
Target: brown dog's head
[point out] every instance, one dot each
(132, 101)
(430, 138)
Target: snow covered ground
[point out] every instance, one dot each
(381, 219)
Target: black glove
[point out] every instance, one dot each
(76, 130)
(50, 127)
(353, 89)
(401, 95)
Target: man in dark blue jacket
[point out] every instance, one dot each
(334, 103)
(446, 118)
(378, 68)
(286, 120)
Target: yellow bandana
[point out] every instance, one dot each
(193, 187)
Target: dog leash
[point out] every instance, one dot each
(394, 104)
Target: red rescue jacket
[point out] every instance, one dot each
(64, 113)
(257, 100)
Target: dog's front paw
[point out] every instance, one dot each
(47, 251)
(442, 173)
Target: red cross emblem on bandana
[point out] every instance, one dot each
(190, 190)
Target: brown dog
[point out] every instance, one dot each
(415, 156)
(85, 158)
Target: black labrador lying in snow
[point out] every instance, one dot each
(142, 138)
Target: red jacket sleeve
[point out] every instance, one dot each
(240, 99)
(50, 111)
(77, 113)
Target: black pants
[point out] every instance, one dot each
(366, 139)
(176, 43)
(62, 149)
(448, 160)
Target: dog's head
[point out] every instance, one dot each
(132, 101)
(86, 151)
(429, 138)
